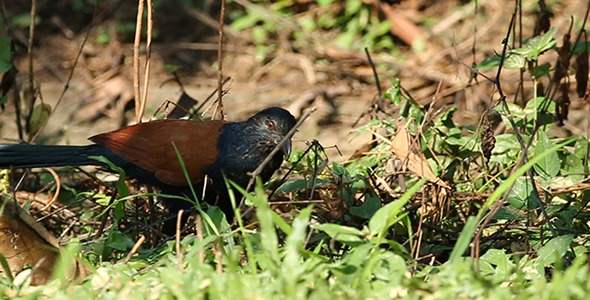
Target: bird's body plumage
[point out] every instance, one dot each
(150, 145)
(146, 151)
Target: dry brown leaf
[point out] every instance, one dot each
(402, 26)
(582, 72)
(412, 157)
(488, 140)
(23, 247)
(26, 243)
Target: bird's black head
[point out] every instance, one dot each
(243, 146)
(272, 125)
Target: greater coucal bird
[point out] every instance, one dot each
(146, 152)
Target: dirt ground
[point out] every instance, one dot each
(96, 99)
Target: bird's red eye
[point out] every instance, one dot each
(270, 125)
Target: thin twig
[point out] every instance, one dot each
(218, 257)
(377, 83)
(148, 56)
(178, 233)
(135, 248)
(199, 228)
(30, 50)
(57, 188)
(220, 61)
(136, 44)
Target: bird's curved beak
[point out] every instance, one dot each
(287, 149)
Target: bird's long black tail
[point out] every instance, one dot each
(36, 156)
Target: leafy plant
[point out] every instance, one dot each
(356, 23)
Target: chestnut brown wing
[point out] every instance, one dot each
(149, 146)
